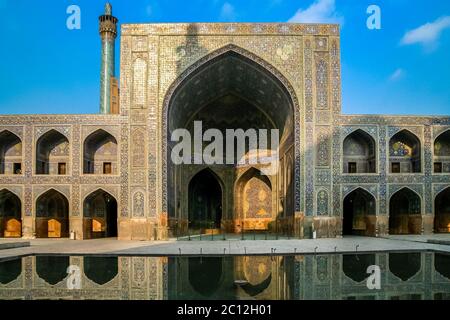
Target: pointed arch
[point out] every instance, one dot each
(52, 215)
(52, 269)
(405, 212)
(205, 275)
(10, 214)
(52, 153)
(442, 212)
(100, 153)
(405, 265)
(254, 200)
(359, 150)
(101, 270)
(10, 153)
(288, 120)
(205, 201)
(359, 213)
(100, 215)
(442, 153)
(405, 153)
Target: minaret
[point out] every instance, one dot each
(108, 33)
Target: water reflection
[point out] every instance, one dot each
(10, 270)
(403, 276)
(101, 270)
(52, 269)
(405, 265)
(355, 266)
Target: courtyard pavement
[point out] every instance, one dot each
(220, 247)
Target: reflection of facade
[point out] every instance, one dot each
(403, 276)
(338, 174)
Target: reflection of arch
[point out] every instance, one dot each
(258, 273)
(405, 265)
(359, 213)
(359, 153)
(205, 274)
(405, 153)
(442, 263)
(442, 212)
(100, 153)
(253, 194)
(52, 153)
(405, 208)
(10, 215)
(205, 200)
(52, 215)
(246, 60)
(10, 270)
(52, 269)
(442, 153)
(10, 153)
(100, 215)
(355, 266)
(101, 270)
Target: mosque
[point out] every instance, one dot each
(111, 174)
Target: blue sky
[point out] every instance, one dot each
(404, 68)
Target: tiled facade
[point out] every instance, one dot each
(158, 60)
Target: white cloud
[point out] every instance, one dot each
(227, 13)
(397, 75)
(428, 34)
(321, 11)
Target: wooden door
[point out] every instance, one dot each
(54, 228)
(13, 229)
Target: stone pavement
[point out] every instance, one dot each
(234, 247)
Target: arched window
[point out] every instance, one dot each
(100, 153)
(52, 154)
(359, 153)
(442, 153)
(10, 153)
(405, 153)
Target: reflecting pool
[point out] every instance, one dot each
(413, 275)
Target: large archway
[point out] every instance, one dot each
(10, 215)
(405, 208)
(10, 153)
(52, 215)
(442, 212)
(359, 213)
(52, 154)
(230, 89)
(99, 215)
